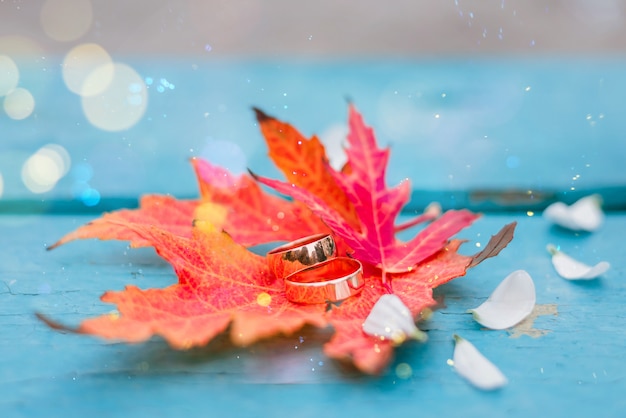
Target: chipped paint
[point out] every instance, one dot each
(526, 326)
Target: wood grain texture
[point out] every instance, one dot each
(573, 369)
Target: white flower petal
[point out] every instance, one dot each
(572, 269)
(391, 319)
(584, 215)
(473, 366)
(511, 302)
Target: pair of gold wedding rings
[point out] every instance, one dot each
(312, 271)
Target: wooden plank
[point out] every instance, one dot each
(570, 366)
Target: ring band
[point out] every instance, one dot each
(300, 254)
(330, 281)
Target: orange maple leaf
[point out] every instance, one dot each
(304, 163)
(167, 212)
(220, 283)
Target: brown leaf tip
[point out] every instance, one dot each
(53, 324)
(496, 244)
(253, 174)
(261, 116)
(56, 244)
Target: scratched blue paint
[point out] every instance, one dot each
(576, 369)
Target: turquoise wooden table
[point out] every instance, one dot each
(554, 127)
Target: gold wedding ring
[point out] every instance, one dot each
(300, 254)
(329, 281)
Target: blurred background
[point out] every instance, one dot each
(340, 28)
(109, 99)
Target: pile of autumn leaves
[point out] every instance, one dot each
(224, 286)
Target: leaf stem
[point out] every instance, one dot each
(433, 211)
(386, 284)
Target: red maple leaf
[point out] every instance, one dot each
(371, 354)
(222, 283)
(377, 207)
(250, 215)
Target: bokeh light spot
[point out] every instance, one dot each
(334, 140)
(404, 371)
(121, 105)
(45, 168)
(225, 154)
(82, 172)
(264, 299)
(87, 70)
(90, 197)
(60, 156)
(18, 46)
(66, 20)
(19, 103)
(9, 75)
(512, 161)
